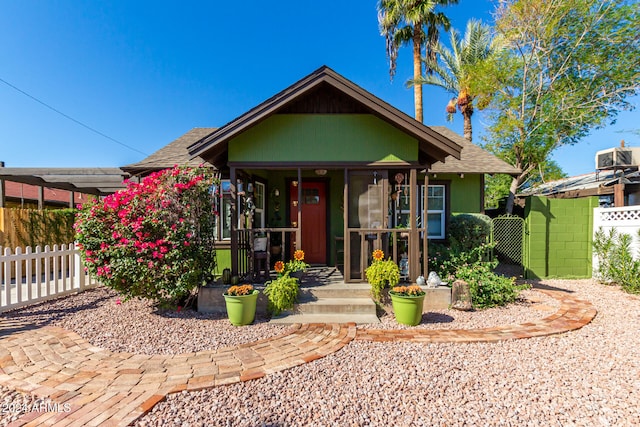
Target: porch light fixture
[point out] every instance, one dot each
(275, 192)
(321, 172)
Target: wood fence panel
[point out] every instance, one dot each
(15, 226)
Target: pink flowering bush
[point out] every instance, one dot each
(155, 239)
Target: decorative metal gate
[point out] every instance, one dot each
(508, 234)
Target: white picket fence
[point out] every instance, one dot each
(625, 220)
(33, 276)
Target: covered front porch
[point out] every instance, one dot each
(274, 211)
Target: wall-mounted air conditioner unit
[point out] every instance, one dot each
(619, 157)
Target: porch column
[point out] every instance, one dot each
(425, 225)
(414, 246)
(346, 235)
(234, 220)
(71, 199)
(299, 228)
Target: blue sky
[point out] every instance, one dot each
(146, 72)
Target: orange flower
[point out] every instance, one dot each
(298, 255)
(399, 289)
(378, 254)
(279, 267)
(245, 289)
(408, 291)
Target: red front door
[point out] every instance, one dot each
(314, 219)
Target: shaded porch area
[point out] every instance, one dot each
(338, 217)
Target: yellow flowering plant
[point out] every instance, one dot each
(381, 273)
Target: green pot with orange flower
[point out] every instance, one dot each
(241, 301)
(381, 273)
(407, 304)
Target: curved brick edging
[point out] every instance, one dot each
(572, 314)
(117, 388)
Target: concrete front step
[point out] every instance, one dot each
(289, 319)
(337, 306)
(355, 290)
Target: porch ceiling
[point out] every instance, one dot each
(433, 146)
(97, 181)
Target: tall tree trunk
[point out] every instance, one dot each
(466, 115)
(512, 195)
(417, 72)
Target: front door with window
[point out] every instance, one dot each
(314, 219)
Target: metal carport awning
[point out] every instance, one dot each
(96, 181)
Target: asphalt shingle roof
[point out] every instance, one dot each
(473, 159)
(174, 153)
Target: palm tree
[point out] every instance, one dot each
(416, 22)
(457, 69)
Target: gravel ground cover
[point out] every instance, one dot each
(105, 320)
(587, 377)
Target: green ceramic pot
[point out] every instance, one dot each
(408, 309)
(241, 309)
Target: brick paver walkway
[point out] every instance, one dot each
(105, 388)
(573, 313)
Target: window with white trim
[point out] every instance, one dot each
(436, 213)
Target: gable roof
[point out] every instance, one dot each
(433, 146)
(473, 159)
(174, 153)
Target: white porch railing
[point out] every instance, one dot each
(625, 220)
(33, 276)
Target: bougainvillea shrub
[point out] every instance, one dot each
(154, 239)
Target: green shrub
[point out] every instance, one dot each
(615, 260)
(282, 293)
(487, 288)
(446, 261)
(468, 231)
(155, 239)
(474, 267)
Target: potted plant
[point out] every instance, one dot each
(381, 273)
(407, 304)
(296, 267)
(281, 292)
(241, 304)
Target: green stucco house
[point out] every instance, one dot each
(327, 167)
